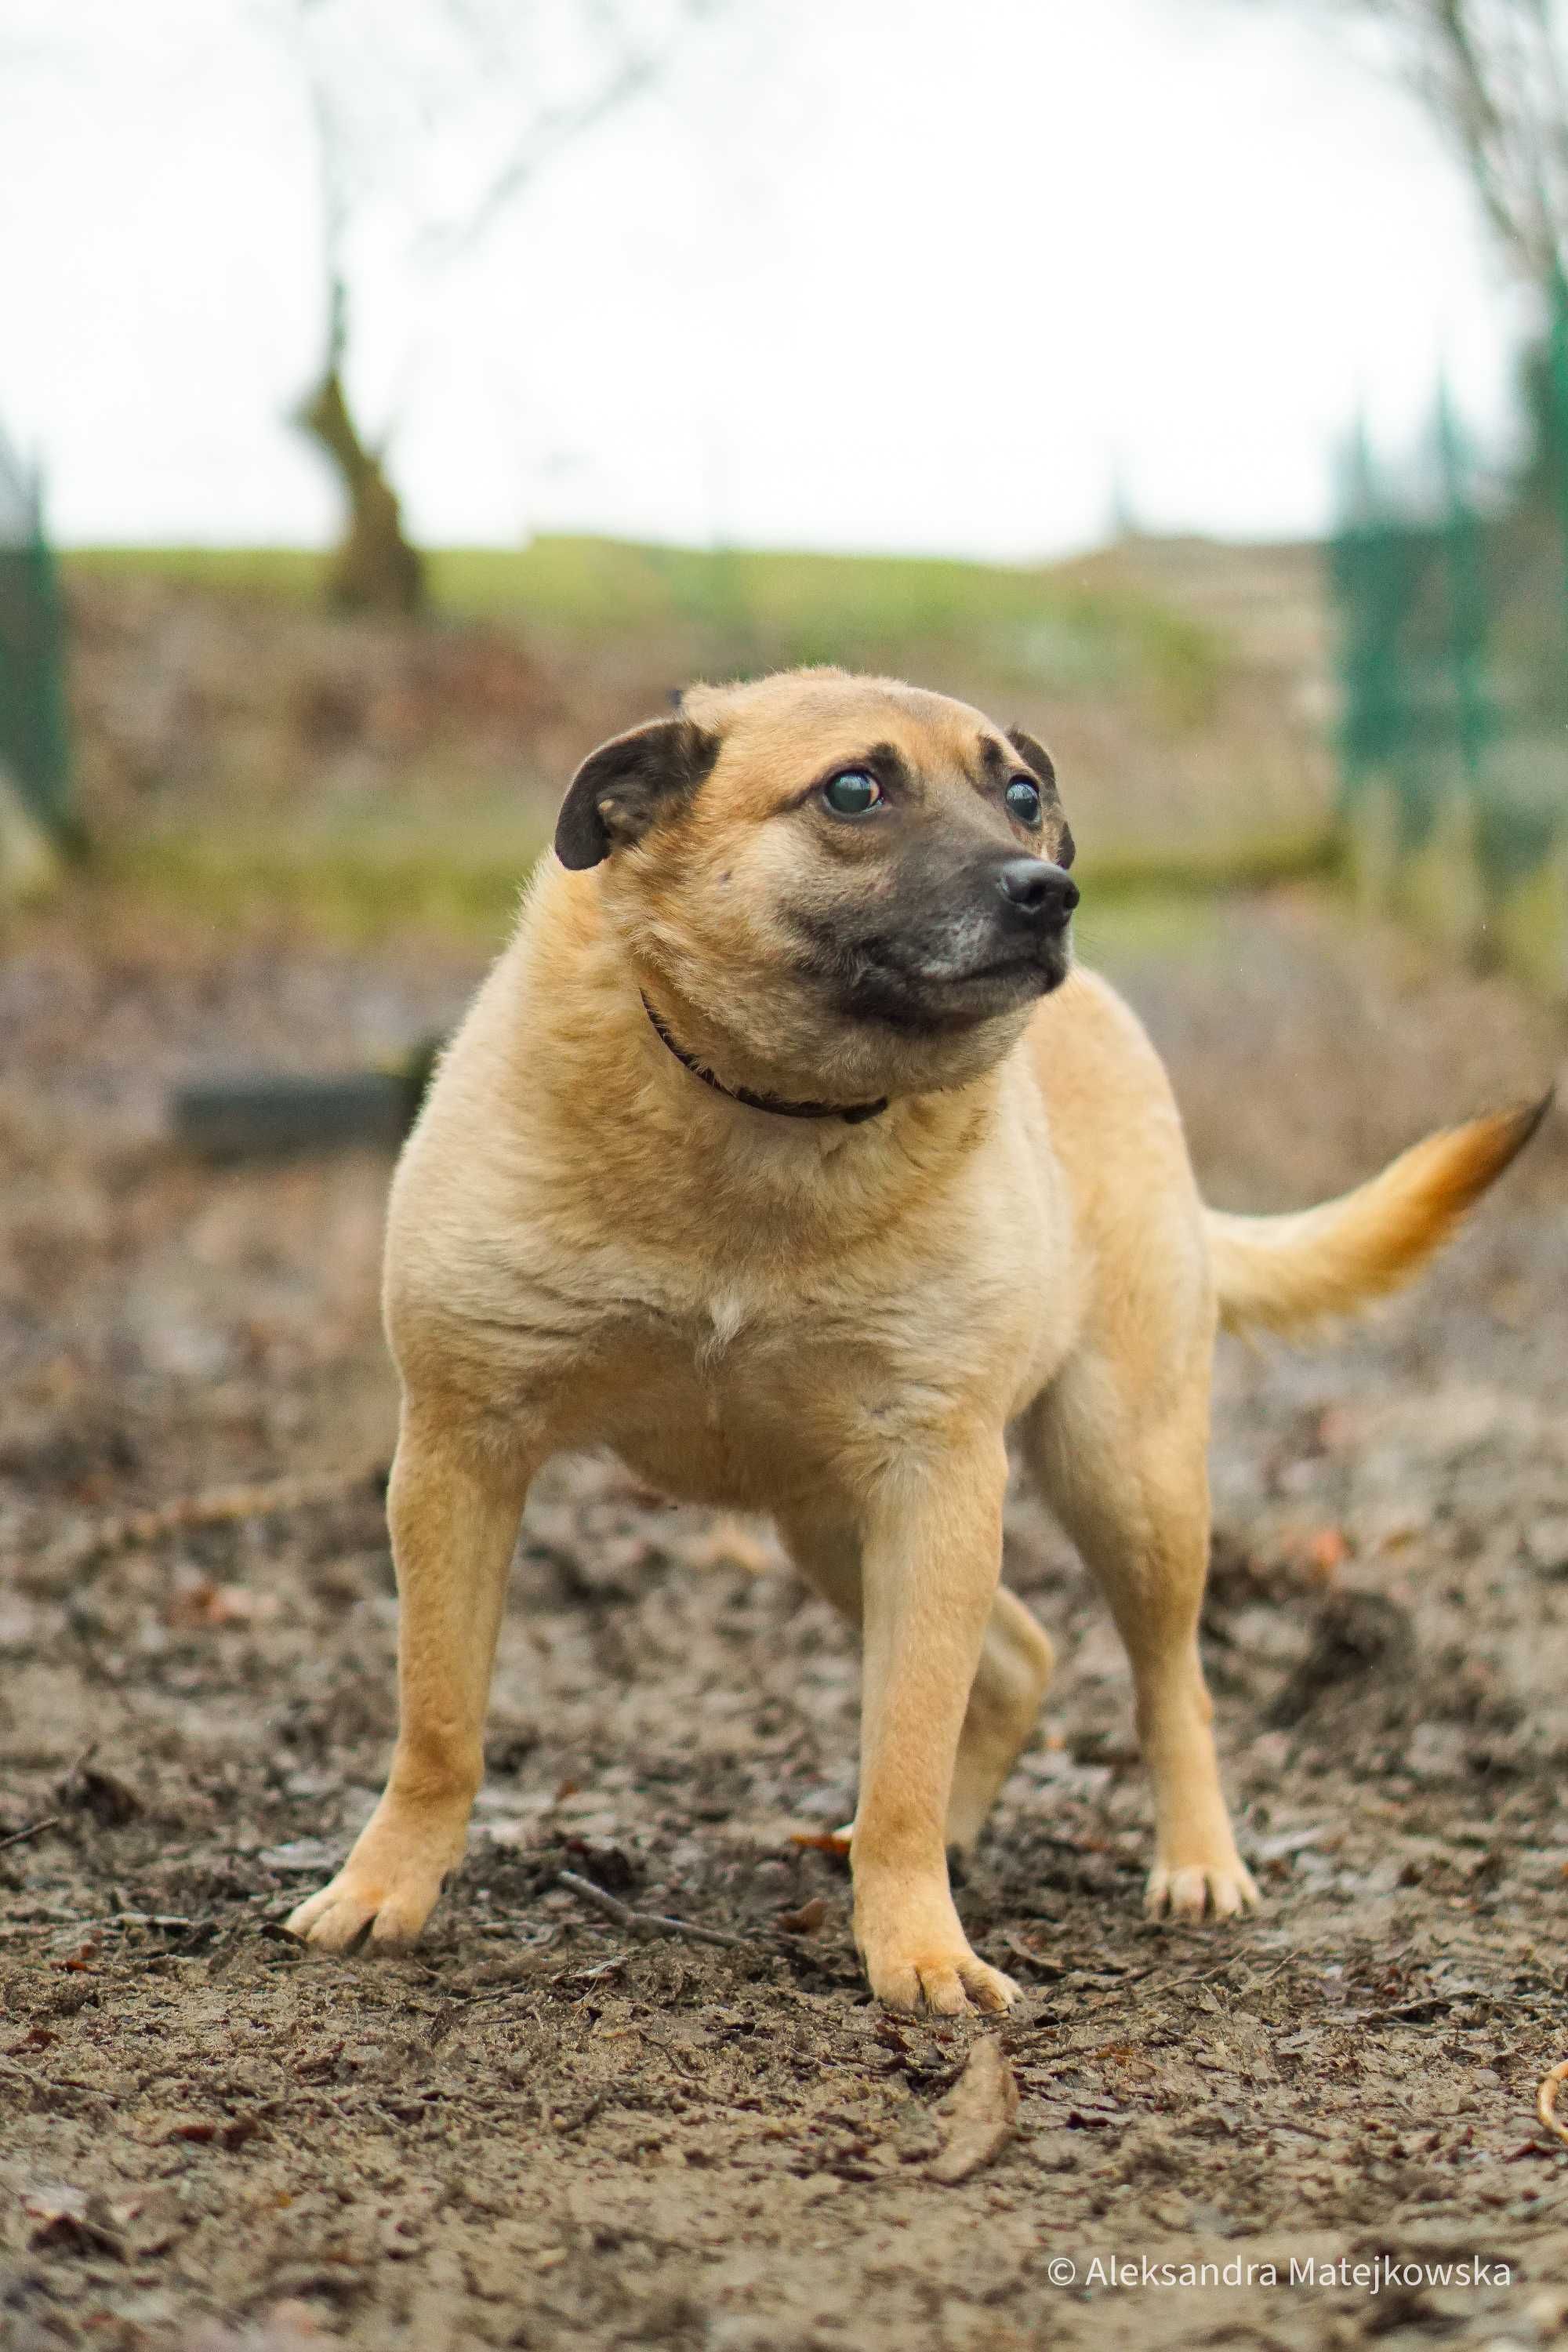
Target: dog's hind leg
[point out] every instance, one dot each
(454, 1505)
(1005, 1699)
(1004, 1703)
(1131, 1487)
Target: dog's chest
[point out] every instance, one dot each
(729, 1364)
(723, 1322)
(731, 1398)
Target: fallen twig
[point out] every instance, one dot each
(172, 1922)
(647, 1923)
(1546, 2100)
(222, 1506)
(33, 1830)
(590, 1976)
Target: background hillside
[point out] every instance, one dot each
(231, 732)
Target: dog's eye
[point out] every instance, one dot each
(1023, 801)
(852, 793)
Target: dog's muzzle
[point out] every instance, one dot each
(952, 943)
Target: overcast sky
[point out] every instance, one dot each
(912, 273)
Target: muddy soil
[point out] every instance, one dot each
(541, 2129)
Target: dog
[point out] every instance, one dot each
(787, 1153)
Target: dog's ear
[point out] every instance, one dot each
(623, 787)
(1034, 755)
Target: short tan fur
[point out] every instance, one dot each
(835, 1320)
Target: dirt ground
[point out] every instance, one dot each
(539, 2130)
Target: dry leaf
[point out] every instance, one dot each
(79, 1961)
(1325, 1553)
(68, 2216)
(806, 1920)
(200, 1603)
(978, 2114)
(1020, 1946)
(89, 1788)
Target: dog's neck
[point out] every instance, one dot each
(575, 1016)
(851, 1114)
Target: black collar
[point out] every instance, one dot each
(852, 1114)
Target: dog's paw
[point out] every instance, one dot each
(947, 1980)
(947, 1984)
(1215, 1890)
(384, 1906)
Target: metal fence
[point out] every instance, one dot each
(35, 759)
(1451, 585)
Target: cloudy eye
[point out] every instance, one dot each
(1023, 801)
(852, 793)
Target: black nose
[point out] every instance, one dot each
(1042, 894)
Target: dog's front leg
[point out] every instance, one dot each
(454, 1504)
(931, 1556)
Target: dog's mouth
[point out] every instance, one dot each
(918, 991)
(1032, 972)
(948, 963)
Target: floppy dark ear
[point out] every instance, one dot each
(623, 787)
(1034, 755)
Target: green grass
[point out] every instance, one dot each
(773, 608)
(360, 887)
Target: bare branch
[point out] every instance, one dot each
(559, 127)
(427, 124)
(1492, 134)
(1492, 76)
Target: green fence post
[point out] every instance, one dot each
(1370, 578)
(1368, 640)
(1557, 412)
(1455, 775)
(1466, 596)
(35, 747)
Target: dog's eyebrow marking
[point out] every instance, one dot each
(1038, 760)
(883, 760)
(998, 762)
(887, 757)
(880, 760)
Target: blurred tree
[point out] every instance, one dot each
(1493, 76)
(444, 112)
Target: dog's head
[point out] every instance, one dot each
(857, 886)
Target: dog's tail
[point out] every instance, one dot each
(1283, 1272)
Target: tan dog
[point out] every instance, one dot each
(783, 1153)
